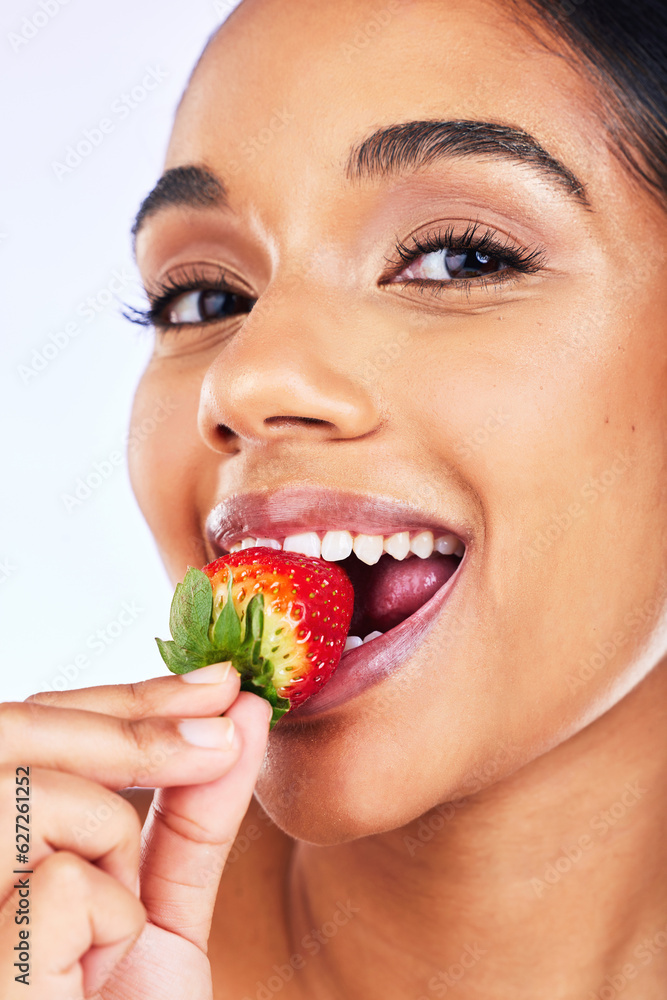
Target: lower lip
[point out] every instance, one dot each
(366, 665)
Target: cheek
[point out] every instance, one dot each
(557, 423)
(168, 464)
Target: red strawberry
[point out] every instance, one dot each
(281, 618)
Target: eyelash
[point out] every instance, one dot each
(517, 260)
(166, 292)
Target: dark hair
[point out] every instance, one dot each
(623, 44)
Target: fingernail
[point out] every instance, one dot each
(210, 733)
(215, 673)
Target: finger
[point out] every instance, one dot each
(205, 691)
(190, 831)
(75, 908)
(74, 814)
(117, 753)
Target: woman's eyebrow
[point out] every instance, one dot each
(407, 147)
(389, 150)
(193, 186)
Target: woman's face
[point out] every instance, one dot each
(522, 410)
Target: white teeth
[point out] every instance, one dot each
(353, 641)
(336, 545)
(398, 545)
(368, 548)
(371, 636)
(446, 544)
(308, 544)
(422, 544)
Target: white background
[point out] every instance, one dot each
(65, 574)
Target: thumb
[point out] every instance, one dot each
(190, 831)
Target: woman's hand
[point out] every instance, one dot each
(112, 910)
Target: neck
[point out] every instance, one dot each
(563, 863)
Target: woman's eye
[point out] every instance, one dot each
(444, 265)
(206, 306)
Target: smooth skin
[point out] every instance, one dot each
(493, 812)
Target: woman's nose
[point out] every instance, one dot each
(288, 373)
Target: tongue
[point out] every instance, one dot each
(399, 588)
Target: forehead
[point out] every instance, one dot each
(310, 79)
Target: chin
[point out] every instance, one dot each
(307, 805)
(348, 775)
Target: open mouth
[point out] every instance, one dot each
(392, 575)
(402, 564)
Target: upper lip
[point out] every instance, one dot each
(292, 510)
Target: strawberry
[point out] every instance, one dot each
(281, 618)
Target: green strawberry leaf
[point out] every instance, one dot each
(282, 705)
(177, 661)
(199, 640)
(254, 630)
(264, 686)
(191, 609)
(226, 633)
(255, 620)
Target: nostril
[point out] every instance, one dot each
(224, 433)
(291, 421)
